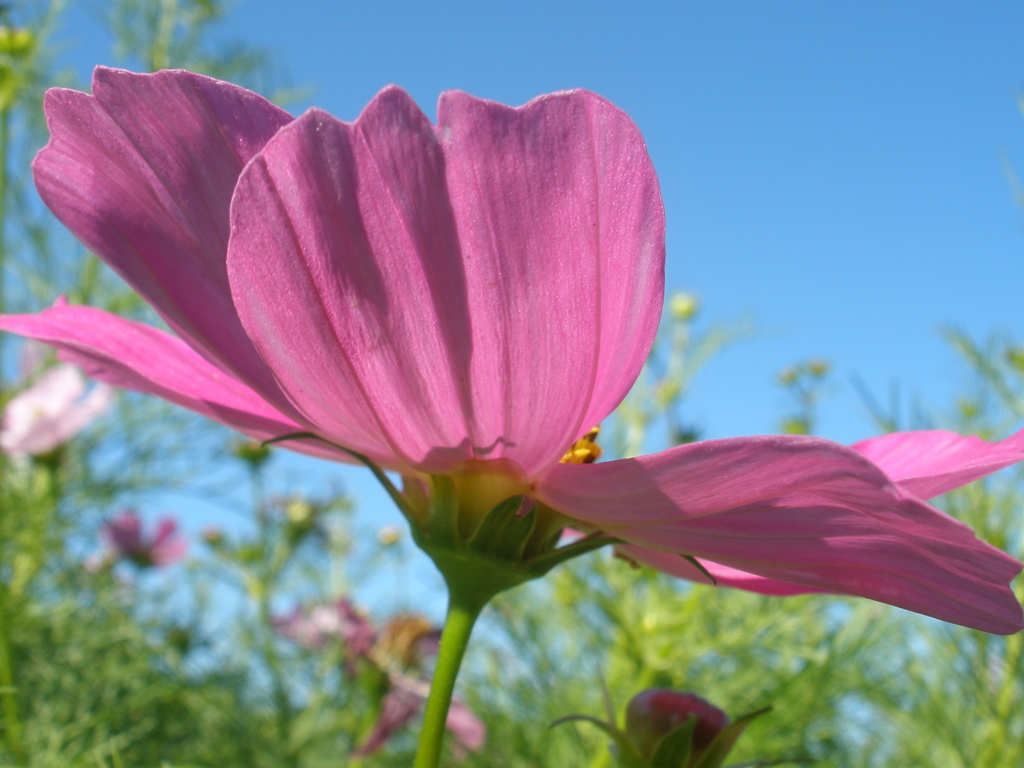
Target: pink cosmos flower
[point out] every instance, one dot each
(404, 701)
(125, 539)
(467, 300)
(51, 411)
(399, 651)
(315, 627)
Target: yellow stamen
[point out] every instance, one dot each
(585, 450)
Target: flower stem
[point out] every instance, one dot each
(463, 610)
(8, 695)
(5, 123)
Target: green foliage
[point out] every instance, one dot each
(185, 34)
(958, 699)
(681, 351)
(605, 619)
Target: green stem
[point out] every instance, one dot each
(603, 759)
(5, 129)
(278, 691)
(8, 693)
(160, 53)
(267, 579)
(1005, 700)
(463, 610)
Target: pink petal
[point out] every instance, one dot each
(165, 529)
(465, 726)
(35, 420)
(297, 626)
(57, 389)
(51, 412)
(933, 462)
(124, 532)
(448, 304)
(798, 510)
(674, 565)
(354, 630)
(562, 231)
(400, 705)
(167, 547)
(135, 356)
(142, 172)
(345, 268)
(83, 412)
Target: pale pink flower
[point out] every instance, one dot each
(126, 540)
(399, 651)
(468, 299)
(51, 411)
(404, 701)
(319, 625)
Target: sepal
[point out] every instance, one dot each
(504, 532)
(442, 525)
(624, 749)
(504, 549)
(674, 750)
(665, 728)
(720, 748)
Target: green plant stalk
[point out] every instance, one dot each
(1005, 699)
(278, 689)
(8, 697)
(377, 679)
(160, 53)
(603, 759)
(5, 130)
(464, 607)
(267, 579)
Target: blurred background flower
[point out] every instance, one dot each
(126, 540)
(398, 655)
(51, 411)
(315, 627)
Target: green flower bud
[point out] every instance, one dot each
(684, 306)
(213, 536)
(818, 367)
(389, 535)
(251, 452)
(789, 376)
(300, 512)
(16, 43)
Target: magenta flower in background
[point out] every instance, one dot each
(51, 411)
(315, 627)
(404, 701)
(467, 300)
(125, 540)
(400, 651)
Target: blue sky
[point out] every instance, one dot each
(834, 169)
